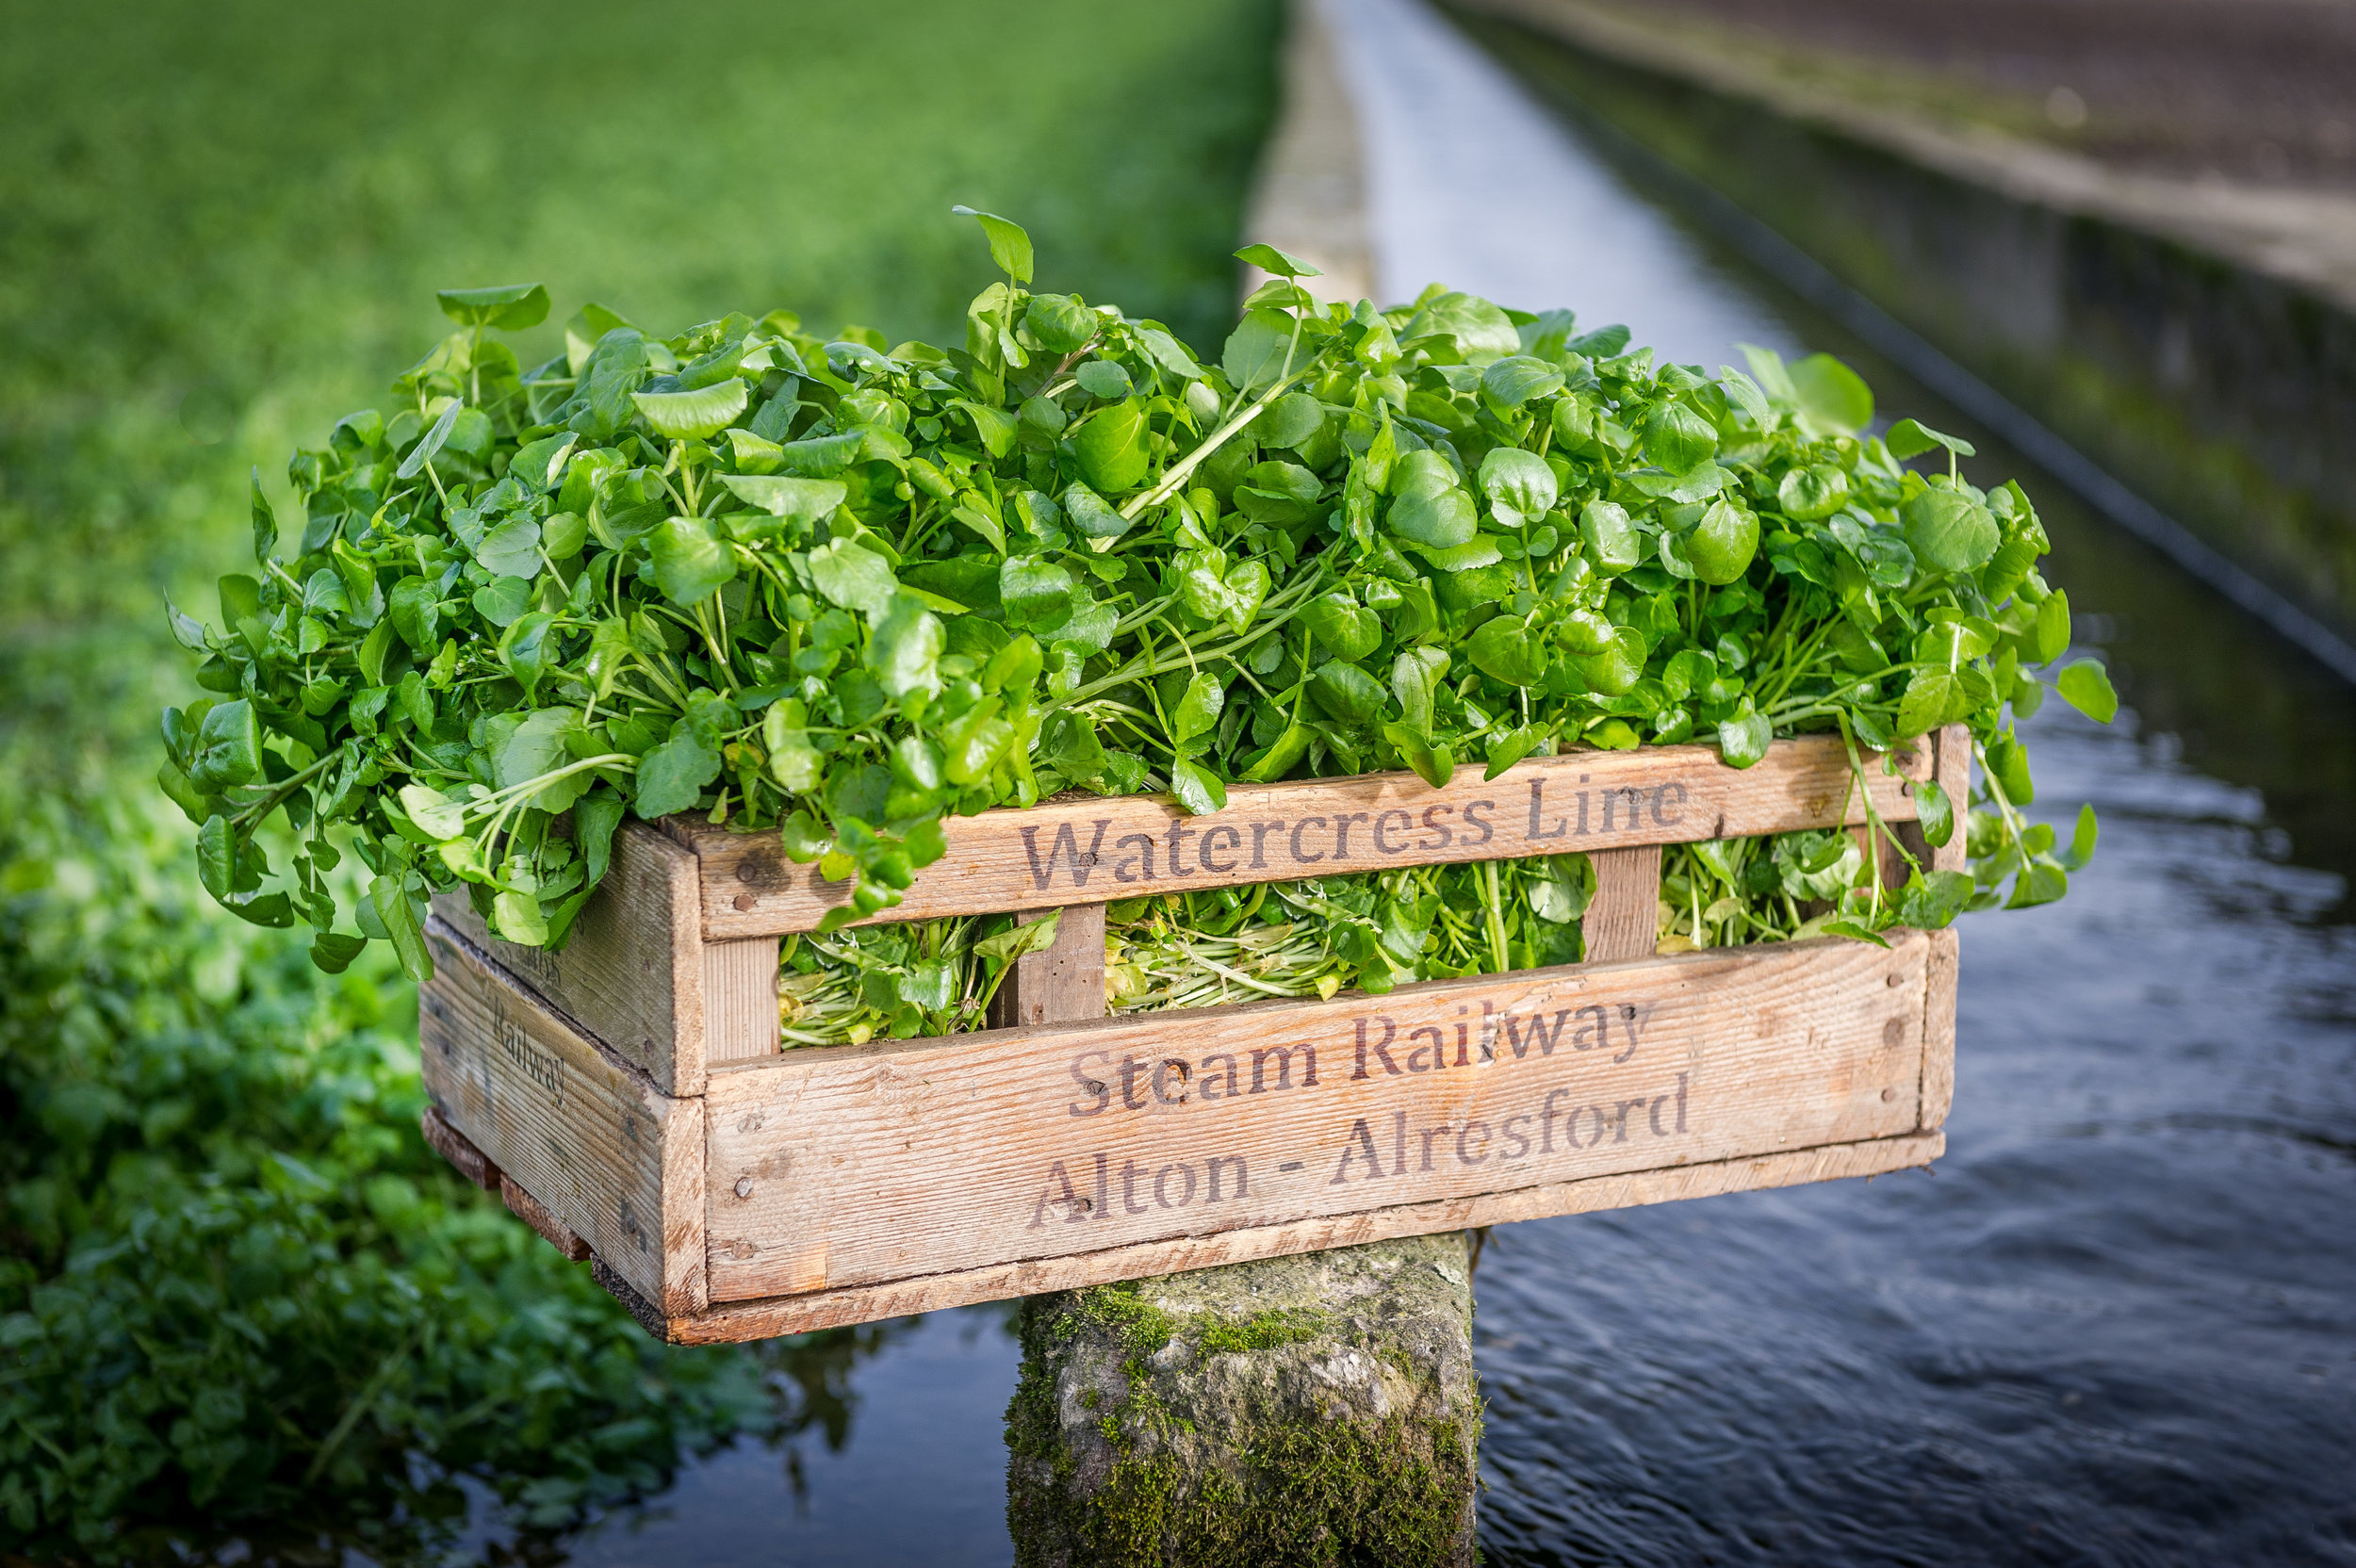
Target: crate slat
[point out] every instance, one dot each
(610, 1158)
(1624, 914)
(1069, 851)
(731, 1322)
(859, 1164)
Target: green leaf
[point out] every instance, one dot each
(1742, 739)
(1935, 813)
(1948, 530)
(333, 951)
(1933, 698)
(510, 307)
(1678, 440)
(228, 748)
(1430, 509)
(691, 562)
(1257, 349)
(1721, 547)
(426, 449)
(1416, 675)
(1520, 488)
(1087, 513)
(693, 416)
(1912, 438)
(1197, 789)
(389, 898)
(2086, 687)
(1168, 352)
(2009, 764)
(1341, 625)
(903, 652)
(265, 523)
(673, 774)
(542, 745)
(1009, 246)
(1483, 332)
(217, 857)
(2080, 851)
(1609, 539)
(1110, 448)
(502, 601)
(1511, 747)
(1011, 944)
(1831, 393)
(2048, 634)
(1036, 591)
(1346, 692)
(853, 577)
(1518, 378)
(1434, 764)
(1290, 420)
(1268, 258)
(526, 649)
(1617, 667)
(1217, 590)
(1197, 710)
(511, 550)
(1503, 649)
(436, 815)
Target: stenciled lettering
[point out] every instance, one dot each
(1066, 848)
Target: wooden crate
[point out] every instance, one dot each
(628, 1097)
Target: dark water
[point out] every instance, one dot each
(2117, 1326)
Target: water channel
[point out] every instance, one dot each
(2119, 1324)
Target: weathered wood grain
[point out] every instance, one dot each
(1066, 851)
(1062, 983)
(1623, 920)
(449, 1142)
(543, 1219)
(731, 1322)
(740, 1001)
(1955, 777)
(588, 1136)
(632, 975)
(860, 1165)
(1938, 1027)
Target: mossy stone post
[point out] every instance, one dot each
(1312, 1410)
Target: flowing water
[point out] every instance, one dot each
(2117, 1326)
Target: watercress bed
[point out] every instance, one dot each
(834, 589)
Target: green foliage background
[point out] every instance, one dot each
(233, 1286)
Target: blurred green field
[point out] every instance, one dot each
(233, 1288)
(220, 227)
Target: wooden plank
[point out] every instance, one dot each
(632, 975)
(1623, 920)
(861, 1165)
(1955, 777)
(1068, 850)
(543, 1219)
(1062, 983)
(587, 1136)
(732, 1322)
(740, 992)
(452, 1145)
(1938, 1027)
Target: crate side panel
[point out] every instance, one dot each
(1084, 851)
(595, 1143)
(731, 1322)
(861, 1165)
(620, 977)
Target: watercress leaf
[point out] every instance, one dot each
(265, 523)
(903, 652)
(1831, 393)
(1290, 420)
(1948, 530)
(510, 307)
(1197, 789)
(1346, 692)
(1087, 513)
(1912, 438)
(1257, 351)
(1197, 710)
(1609, 539)
(673, 774)
(2048, 634)
(1105, 380)
(691, 560)
(1518, 378)
(1342, 626)
(1742, 737)
(1933, 813)
(2080, 851)
(512, 549)
(1222, 591)
(1503, 649)
(1169, 353)
(2086, 687)
(1722, 545)
(1518, 484)
(1678, 439)
(502, 600)
(1110, 448)
(1511, 747)
(697, 415)
(228, 747)
(1441, 516)
(852, 577)
(1036, 591)
(1268, 258)
(333, 951)
(1009, 244)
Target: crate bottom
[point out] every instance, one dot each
(771, 1316)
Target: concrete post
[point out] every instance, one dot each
(1310, 1409)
